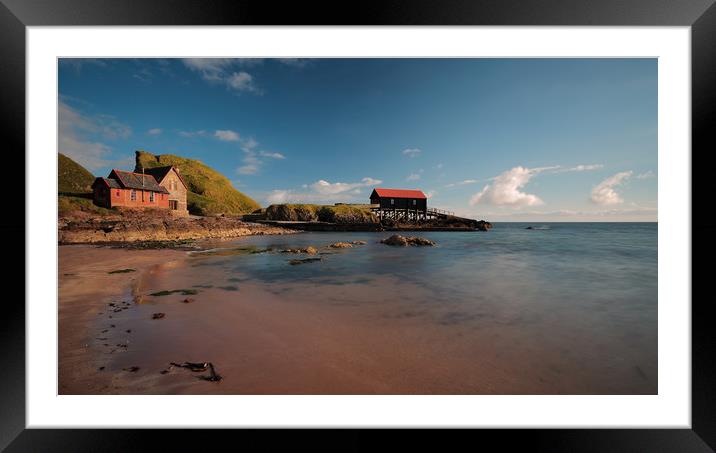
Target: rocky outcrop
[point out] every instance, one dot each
(398, 240)
(310, 250)
(145, 227)
(341, 245)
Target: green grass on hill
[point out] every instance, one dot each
(353, 213)
(210, 192)
(72, 177)
(67, 204)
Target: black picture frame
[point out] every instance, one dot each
(700, 15)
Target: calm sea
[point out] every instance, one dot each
(569, 303)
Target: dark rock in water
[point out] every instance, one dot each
(310, 250)
(132, 369)
(305, 260)
(188, 300)
(158, 315)
(101, 368)
(529, 228)
(395, 239)
(398, 240)
(229, 288)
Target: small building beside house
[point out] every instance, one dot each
(161, 187)
(399, 204)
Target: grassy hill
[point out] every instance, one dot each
(347, 213)
(74, 187)
(72, 177)
(210, 192)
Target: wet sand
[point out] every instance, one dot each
(285, 339)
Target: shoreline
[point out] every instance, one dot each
(345, 335)
(85, 287)
(141, 227)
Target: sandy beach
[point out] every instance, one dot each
(346, 335)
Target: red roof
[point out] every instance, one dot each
(399, 193)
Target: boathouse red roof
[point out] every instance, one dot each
(399, 193)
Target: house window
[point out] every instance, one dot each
(118, 193)
(151, 197)
(133, 196)
(414, 202)
(392, 201)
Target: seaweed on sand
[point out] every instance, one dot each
(122, 271)
(183, 292)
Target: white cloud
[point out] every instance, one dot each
(190, 134)
(439, 166)
(279, 196)
(211, 69)
(155, 131)
(242, 81)
(604, 193)
(295, 62)
(227, 135)
(323, 191)
(248, 144)
(327, 188)
(648, 174)
(411, 152)
(219, 70)
(272, 155)
(252, 158)
(413, 177)
(582, 168)
(249, 169)
(505, 188)
(462, 183)
(638, 214)
(78, 136)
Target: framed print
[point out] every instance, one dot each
(456, 216)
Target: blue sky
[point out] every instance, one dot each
(499, 139)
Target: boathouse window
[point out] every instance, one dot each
(392, 201)
(118, 193)
(414, 202)
(151, 197)
(133, 196)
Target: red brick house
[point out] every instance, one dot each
(161, 187)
